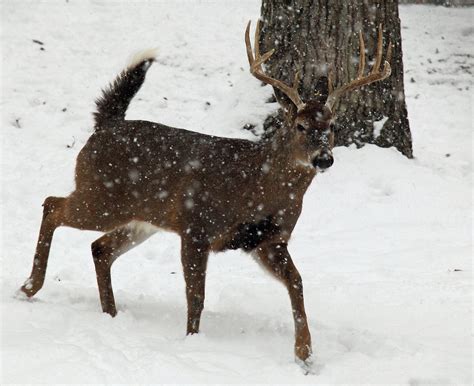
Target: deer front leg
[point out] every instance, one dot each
(194, 259)
(276, 258)
(106, 249)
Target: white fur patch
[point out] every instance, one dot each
(141, 227)
(149, 54)
(305, 164)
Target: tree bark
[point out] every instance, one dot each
(311, 35)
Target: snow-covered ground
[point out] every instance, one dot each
(383, 245)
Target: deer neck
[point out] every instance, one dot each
(281, 166)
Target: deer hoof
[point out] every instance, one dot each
(307, 365)
(20, 294)
(112, 311)
(28, 289)
(303, 351)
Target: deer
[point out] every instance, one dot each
(136, 177)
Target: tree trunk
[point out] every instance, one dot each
(313, 34)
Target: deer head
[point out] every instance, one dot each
(309, 124)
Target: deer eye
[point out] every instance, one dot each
(300, 127)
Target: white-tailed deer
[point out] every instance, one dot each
(135, 177)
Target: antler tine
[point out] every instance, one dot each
(389, 53)
(259, 59)
(330, 81)
(360, 74)
(256, 60)
(296, 80)
(374, 75)
(248, 47)
(378, 53)
(256, 41)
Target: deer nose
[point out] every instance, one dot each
(323, 160)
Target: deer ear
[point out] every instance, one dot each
(288, 107)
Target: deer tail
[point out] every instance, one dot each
(112, 105)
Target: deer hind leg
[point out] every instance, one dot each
(276, 259)
(106, 249)
(53, 217)
(194, 257)
(71, 211)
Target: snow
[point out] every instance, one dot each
(383, 245)
(378, 125)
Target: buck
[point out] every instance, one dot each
(136, 177)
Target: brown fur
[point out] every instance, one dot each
(215, 193)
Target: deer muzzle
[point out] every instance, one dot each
(323, 159)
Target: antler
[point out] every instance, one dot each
(374, 75)
(257, 71)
